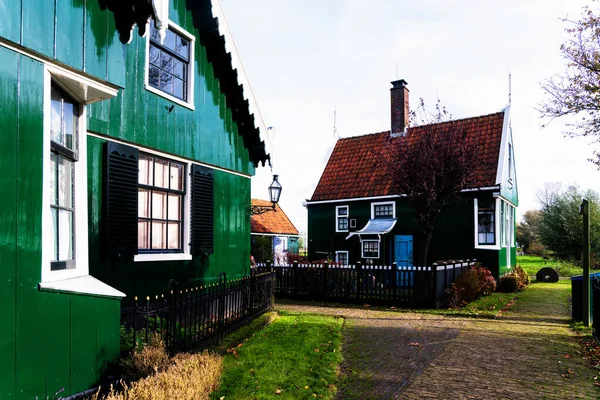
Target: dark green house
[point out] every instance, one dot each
(354, 214)
(125, 163)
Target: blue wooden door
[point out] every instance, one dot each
(403, 257)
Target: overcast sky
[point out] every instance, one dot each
(307, 58)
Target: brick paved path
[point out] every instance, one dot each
(394, 355)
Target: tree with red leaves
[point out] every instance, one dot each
(431, 170)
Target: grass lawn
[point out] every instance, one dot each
(532, 264)
(295, 357)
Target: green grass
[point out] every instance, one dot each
(296, 357)
(532, 264)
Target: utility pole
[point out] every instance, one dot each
(584, 209)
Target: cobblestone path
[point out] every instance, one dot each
(528, 353)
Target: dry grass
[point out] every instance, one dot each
(184, 377)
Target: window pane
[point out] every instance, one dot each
(53, 170)
(159, 235)
(65, 183)
(178, 88)
(161, 173)
(145, 170)
(174, 235)
(143, 234)
(56, 117)
(166, 82)
(166, 61)
(182, 47)
(169, 40)
(144, 203)
(153, 73)
(159, 205)
(154, 32)
(65, 235)
(176, 176)
(54, 234)
(70, 126)
(342, 211)
(174, 207)
(482, 238)
(490, 238)
(178, 69)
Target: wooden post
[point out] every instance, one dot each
(296, 277)
(325, 278)
(393, 280)
(585, 210)
(434, 283)
(358, 278)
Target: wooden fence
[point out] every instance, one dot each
(197, 317)
(408, 286)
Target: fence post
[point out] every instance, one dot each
(393, 278)
(221, 324)
(434, 282)
(296, 277)
(358, 278)
(324, 278)
(251, 293)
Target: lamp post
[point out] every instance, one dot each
(274, 194)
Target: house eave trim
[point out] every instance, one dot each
(275, 234)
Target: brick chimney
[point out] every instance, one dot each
(399, 106)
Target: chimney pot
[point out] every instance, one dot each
(400, 111)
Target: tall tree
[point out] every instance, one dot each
(576, 91)
(528, 229)
(431, 170)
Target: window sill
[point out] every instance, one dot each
(169, 97)
(487, 247)
(162, 257)
(84, 285)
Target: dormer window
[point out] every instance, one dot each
(170, 64)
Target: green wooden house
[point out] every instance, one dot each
(125, 163)
(354, 214)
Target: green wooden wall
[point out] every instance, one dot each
(39, 331)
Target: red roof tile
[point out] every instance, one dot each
(358, 165)
(274, 222)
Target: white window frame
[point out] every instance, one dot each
(337, 253)
(362, 248)
(338, 216)
(186, 254)
(496, 226)
(189, 103)
(383, 203)
(75, 280)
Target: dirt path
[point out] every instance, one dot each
(528, 353)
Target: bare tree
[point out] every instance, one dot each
(576, 91)
(431, 165)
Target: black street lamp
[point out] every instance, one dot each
(274, 194)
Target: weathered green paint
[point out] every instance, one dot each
(8, 207)
(58, 354)
(10, 23)
(69, 23)
(38, 26)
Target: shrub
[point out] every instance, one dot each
(147, 359)
(472, 284)
(186, 377)
(509, 283)
(524, 279)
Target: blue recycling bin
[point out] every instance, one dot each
(577, 295)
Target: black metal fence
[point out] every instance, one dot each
(399, 285)
(595, 287)
(197, 317)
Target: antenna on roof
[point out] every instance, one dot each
(336, 134)
(509, 87)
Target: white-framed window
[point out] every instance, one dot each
(170, 64)
(161, 194)
(341, 219)
(370, 248)
(341, 257)
(383, 210)
(64, 188)
(487, 223)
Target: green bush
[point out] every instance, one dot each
(509, 283)
(472, 284)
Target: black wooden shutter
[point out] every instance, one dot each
(121, 199)
(202, 210)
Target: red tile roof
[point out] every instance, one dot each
(274, 222)
(358, 165)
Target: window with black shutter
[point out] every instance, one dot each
(122, 199)
(202, 210)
